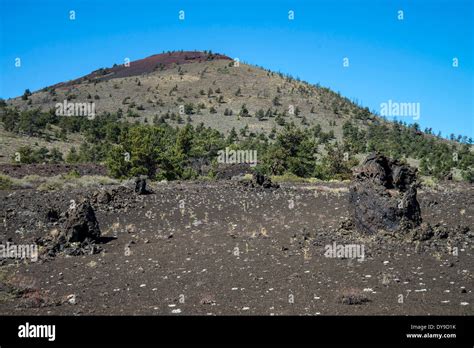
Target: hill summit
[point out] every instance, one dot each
(146, 65)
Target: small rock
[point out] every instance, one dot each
(71, 299)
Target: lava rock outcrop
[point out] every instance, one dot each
(140, 185)
(81, 224)
(262, 181)
(383, 196)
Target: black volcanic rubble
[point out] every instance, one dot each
(383, 202)
(383, 196)
(140, 185)
(79, 234)
(117, 198)
(261, 181)
(81, 224)
(77, 230)
(230, 171)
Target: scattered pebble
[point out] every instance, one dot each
(71, 299)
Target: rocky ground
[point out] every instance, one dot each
(225, 247)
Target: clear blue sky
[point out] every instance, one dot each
(405, 61)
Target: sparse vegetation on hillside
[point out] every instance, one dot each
(321, 137)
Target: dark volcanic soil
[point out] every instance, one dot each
(223, 248)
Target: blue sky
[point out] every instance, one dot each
(403, 61)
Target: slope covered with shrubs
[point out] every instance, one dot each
(162, 151)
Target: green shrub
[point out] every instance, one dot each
(6, 182)
(73, 174)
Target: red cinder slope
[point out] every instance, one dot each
(144, 66)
